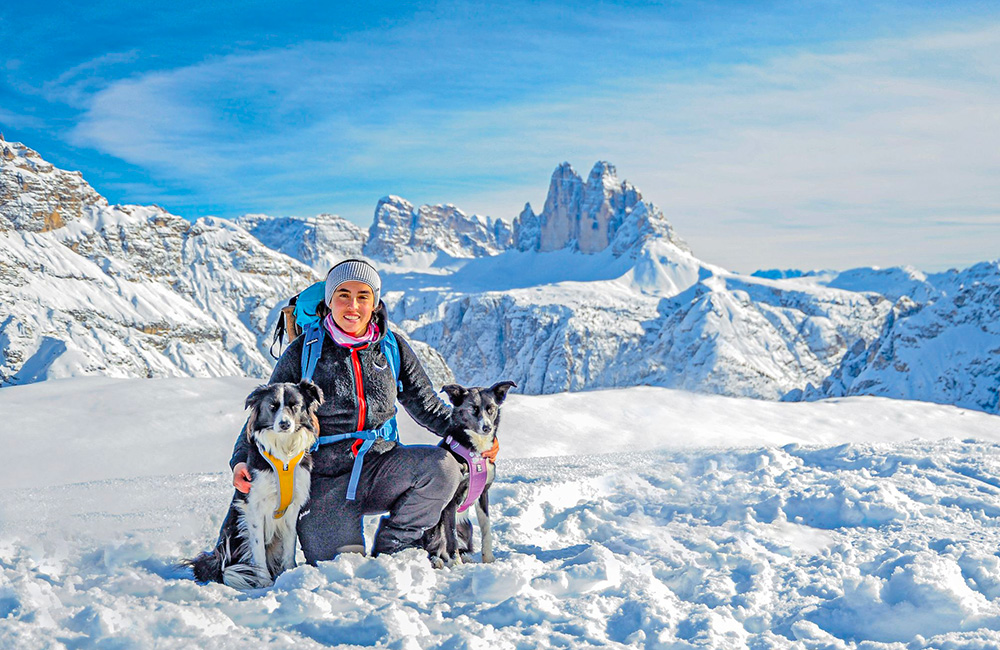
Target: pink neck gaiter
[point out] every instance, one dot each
(342, 338)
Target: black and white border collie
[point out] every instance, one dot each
(474, 422)
(257, 540)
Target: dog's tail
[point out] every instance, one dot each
(207, 566)
(463, 530)
(218, 565)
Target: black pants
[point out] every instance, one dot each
(412, 484)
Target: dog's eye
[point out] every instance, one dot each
(475, 410)
(274, 406)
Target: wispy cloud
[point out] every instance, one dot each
(76, 85)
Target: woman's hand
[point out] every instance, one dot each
(241, 477)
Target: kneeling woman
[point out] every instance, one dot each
(411, 483)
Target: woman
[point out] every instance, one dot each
(411, 483)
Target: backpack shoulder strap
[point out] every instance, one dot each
(312, 347)
(390, 348)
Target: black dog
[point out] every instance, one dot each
(257, 540)
(472, 431)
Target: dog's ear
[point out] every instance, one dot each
(311, 391)
(254, 398)
(500, 389)
(455, 393)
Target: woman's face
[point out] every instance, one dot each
(352, 305)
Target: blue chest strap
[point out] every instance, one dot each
(385, 432)
(312, 347)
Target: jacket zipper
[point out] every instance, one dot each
(359, 387)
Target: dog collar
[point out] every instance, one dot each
(286, 478)
(477, 471)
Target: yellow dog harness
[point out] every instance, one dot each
(286, 478)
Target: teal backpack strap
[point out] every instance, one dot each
(390, 348)
(312, 347)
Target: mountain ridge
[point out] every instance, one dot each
(597, 291)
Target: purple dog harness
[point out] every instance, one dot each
(477, 471)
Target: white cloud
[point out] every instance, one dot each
(809, 159)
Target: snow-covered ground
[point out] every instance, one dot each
(639, 517)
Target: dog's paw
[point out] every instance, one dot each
(487, 557)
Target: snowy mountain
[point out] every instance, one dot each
(892, 283)
(126, 291)
(947, 351)
(663, 318)
(320, 241)
(597, 291)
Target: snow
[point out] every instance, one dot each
(628, 518)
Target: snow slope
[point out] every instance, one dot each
(631, 518)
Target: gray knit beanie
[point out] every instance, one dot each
(353, 270)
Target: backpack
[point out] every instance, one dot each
(298, 318)
(315, 334)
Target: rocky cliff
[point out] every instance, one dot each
(591, 216)
(126, 291)
(401, 230)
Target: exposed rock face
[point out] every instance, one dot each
(37, 197)
(588, 216)
(399, 230)
(320, 241)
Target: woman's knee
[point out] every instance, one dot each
(328, 522)
(447, 468)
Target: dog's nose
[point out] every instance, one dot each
(284, 425)
(487, 428)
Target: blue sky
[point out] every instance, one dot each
(806, 134)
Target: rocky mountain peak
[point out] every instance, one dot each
(400, 229)
(320, 241)
(588, 216)
(603, 174)
(35, 196)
